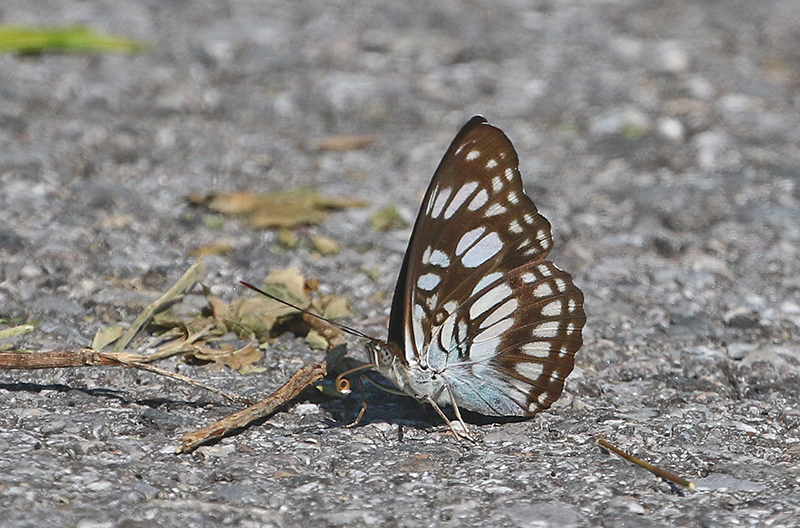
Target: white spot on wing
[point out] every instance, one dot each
(409, 339)
(546, 330)
(513, 197)
(544, 270)
(509, 174)
(484, 350)
(497, 184)
(543, 290)
(539, 349)
(494, 331)
(426, 255)
(529, 370)
(461, 331)
(461, 196)
(432, 300)
(485, 281)
(491, 164)
(473, 155)
(483, 250)
(428, 281)
(514, 227)
(506, 310)
(446, 333)
(485, 344)
(522, 386)
(552, 309)
(489, 299)
(561, 285)
(528, 278)
(494, 210)
(469, 238)
(441, 199)
(479, 201)
(439, 258)
(419, 336)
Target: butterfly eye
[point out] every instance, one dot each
(385, 357)
(381, 355)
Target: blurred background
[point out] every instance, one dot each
(659, 137)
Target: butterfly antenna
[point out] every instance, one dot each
(344, 328)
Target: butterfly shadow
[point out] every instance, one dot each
(122, 397)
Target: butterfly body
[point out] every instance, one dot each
(418, 380)
(480, 320)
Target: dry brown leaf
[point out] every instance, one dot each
(174, 294)
(110, 222)
(341, 143)
(106, 335)
(287, 238)
(241, 359)
(325, 245)
(219, 308)
(188, 341)
(334, 307)
(167, 320)
(279, 209)
(287, 281)
(372, 272)
(217, 248)
(316, 341)
(234, 203)
(255, 316)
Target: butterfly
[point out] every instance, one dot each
(480, 320)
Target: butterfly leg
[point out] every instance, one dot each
(457, 412)
(461, 435)
(363, 406)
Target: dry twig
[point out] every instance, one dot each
(290, 390)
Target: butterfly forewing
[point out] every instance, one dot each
(476, 301)
(474, 219)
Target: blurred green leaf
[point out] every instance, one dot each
(75, 39)
(16, 330)
(386, 219)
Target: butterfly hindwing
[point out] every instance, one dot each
(507, 350)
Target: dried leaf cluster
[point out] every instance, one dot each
(258, 318)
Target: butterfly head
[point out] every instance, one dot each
(382, 354)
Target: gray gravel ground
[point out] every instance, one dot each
(660, 138)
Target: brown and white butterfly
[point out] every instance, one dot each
(480, 320)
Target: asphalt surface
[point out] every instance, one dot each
(661, 140)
